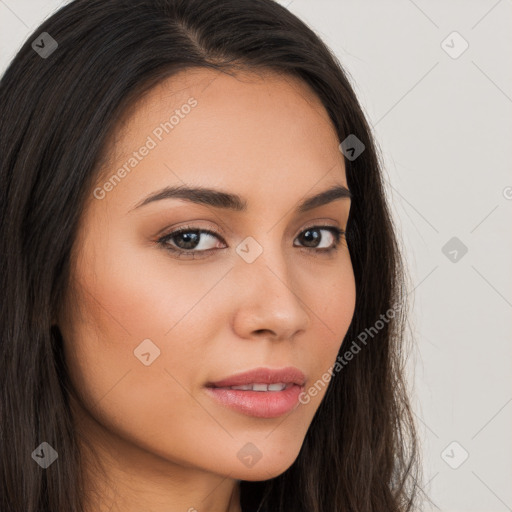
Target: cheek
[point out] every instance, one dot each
(139, 306)
(332, 297)
(149, 405)
(138, 292)
(333, 305)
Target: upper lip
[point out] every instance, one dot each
(288, 375)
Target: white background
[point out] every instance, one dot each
(445, 129)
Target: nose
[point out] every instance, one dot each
(269, 303)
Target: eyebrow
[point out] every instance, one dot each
(225, 200)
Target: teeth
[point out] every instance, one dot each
(260, 387)
(245, 387)
(276, 387)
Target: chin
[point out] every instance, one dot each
(267, 467)
(264, 472)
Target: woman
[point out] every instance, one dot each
(191, 201)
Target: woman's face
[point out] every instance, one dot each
(154, 327)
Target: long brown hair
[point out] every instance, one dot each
(361, 450)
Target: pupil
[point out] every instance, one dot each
(190, 237)
(315, 236)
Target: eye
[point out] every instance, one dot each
(189, 240)
(193, 242)
(313, 240)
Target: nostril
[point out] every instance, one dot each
(265, 331)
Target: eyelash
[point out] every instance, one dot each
(163, 241)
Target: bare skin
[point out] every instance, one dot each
(163, 443)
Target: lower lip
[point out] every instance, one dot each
(260, 404)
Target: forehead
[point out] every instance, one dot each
(249, 88)
(250, 132)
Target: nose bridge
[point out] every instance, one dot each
(262, 256)
(270, 299)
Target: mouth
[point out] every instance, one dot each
(259, 377)
(260, 393)
(278, 386)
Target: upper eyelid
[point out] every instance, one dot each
(213, 232)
